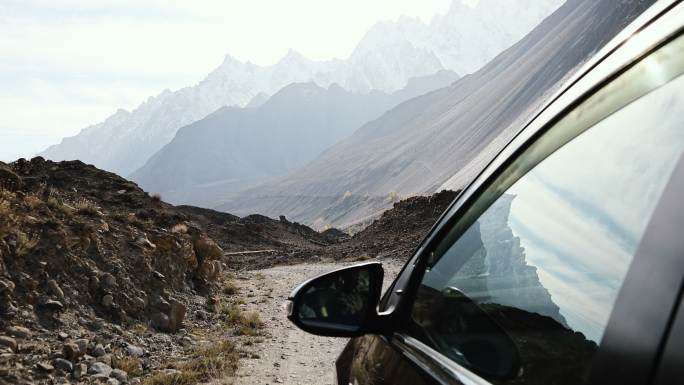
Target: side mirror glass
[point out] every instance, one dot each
(341, 303)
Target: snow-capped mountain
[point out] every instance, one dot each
(465, 38)
(389, 55)
(445, 135)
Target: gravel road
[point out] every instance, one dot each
(288, 355)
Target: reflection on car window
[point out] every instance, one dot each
(546, 260)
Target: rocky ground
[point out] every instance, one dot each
(286, 354)
(100, 281)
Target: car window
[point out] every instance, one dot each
(522, 292)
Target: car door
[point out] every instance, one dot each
(547, 269)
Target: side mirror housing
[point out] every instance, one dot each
(341, 303)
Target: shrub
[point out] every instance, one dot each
(229, 287)
(86, 207)
(207, 250)
(130, 365)
(250, 325)
(25, 243)
(244, 324)
(58, 207)
(180, 228)
(213, 361)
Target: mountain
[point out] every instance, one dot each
(420, 144)
(236, 148)
(388, 56)
(465, 38)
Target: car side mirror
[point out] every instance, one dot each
(341, 303)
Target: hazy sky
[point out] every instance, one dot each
(66, 64)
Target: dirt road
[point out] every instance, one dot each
(288, 355)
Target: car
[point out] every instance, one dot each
(561, 263)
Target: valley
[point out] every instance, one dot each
(158, 245)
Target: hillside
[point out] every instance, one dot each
(233, 148)
(416, 147)
(96, 275)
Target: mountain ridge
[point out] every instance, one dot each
(416, 147)
(242, 147)
(383, 60)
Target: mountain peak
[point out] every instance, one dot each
(293, 56)
(229, 59)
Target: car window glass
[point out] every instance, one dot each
(545, 261)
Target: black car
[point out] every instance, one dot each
(561, 263)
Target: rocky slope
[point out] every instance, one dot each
(398, 231)
(99, 280)
(236, 148)
(448, 134)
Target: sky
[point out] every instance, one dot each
(68, 64)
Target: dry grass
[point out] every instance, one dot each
(140, 329)
(250, 325)
(229, 287)
(130, 365)
(9, 223)
(179, 378)
(32, 201)
(135, 222)
(393, 196)
(86, 207)
(207, 362)
(25, 243)
(243, 324)
(180, 228)
(207, 250)
(58, 207)
(7, 218)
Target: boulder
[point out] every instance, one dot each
(100, 368)
(176, 315)
(99, 351)
(134, 351)
(93, 283)
(54, 288)
(63, 365)
(82, 345)
(108, 280)
(52, 305)
(44, 366)
(8, 342)
(72, 350)
(107, 300)
(80, 370)
(120, 375)
(19, 332)
(160, 321)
